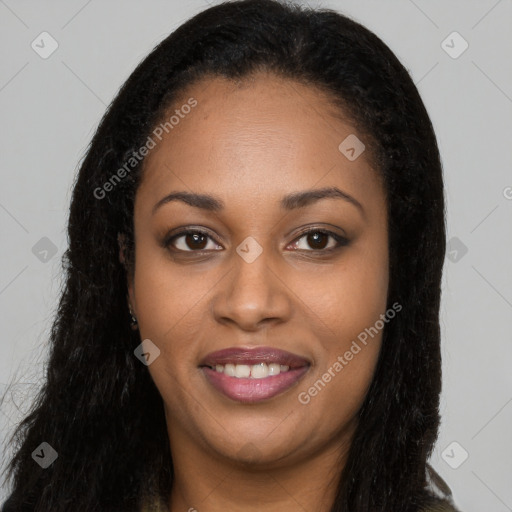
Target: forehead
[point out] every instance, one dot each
(258, 136)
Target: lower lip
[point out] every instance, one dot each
(253, 390)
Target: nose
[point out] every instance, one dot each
(252, 294)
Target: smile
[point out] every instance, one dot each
(253, 375)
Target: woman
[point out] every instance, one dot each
(251, 312)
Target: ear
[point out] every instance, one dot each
(121, 239)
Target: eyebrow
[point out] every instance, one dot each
(289, 202)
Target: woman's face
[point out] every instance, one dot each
(252, 293)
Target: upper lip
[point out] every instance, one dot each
(254, 355)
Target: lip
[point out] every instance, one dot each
(247, 390)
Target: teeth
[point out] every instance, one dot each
(274, 369)
(259, 371)
(229, 369)
(242, 371)
(255, 371)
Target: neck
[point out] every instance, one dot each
(206, 481)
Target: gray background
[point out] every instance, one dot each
(51, 107)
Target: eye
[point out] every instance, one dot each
(193, 240)
(318, 239)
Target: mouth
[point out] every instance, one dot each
(253, 375)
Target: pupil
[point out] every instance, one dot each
(314, 237)
(195, 237)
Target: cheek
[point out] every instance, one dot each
(171, 314)
(168, 300)
(352, 296)
(351, 310)
(165, 292)
(348, 307)
(330, 403)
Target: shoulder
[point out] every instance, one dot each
(442, 499)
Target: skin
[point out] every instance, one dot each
(250, 144)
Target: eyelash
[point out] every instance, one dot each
(341, 241)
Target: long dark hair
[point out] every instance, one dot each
(99, 408)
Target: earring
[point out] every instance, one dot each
(133, 323)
